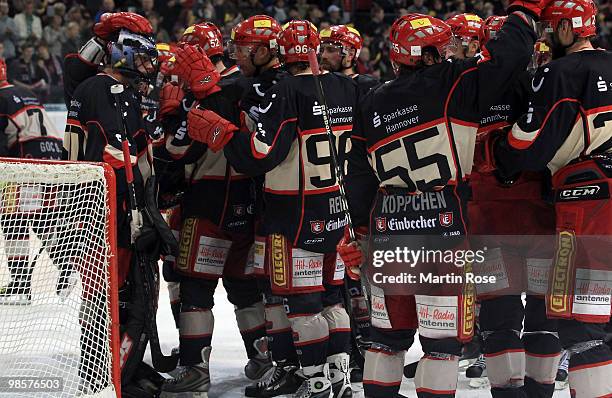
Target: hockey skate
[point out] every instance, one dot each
(17, 292)
(282, 380)
(316, 384)
(192, 382)
(561, 381)
(477, 373)
(339, 375)
(257, 366)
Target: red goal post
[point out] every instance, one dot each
(59, 312)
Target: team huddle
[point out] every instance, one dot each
(282, 173)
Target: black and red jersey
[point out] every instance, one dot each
(290, 146)
(215, 191)
(365, 83)
(93, 133)
(26, 130)
(416, 135)
(569, 115)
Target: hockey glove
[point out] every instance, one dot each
(351, 253)
(531, 7)
(209, 128)
(194, 67)
(111, 23)
(170, 99)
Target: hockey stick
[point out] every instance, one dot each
(161, 362)
(314, 66)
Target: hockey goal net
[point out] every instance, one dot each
(58, 293)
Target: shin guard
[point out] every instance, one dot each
(252, 325)
(383, 370)
(196, 328)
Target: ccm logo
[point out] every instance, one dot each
(578, 192)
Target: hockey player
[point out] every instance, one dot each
(93, 133)
(303, 219)
(254, 47)
(340, 48)
(466, 28)
(415, 148)
(567, 130)
(25, 132)
(517, 365)
(215, 237)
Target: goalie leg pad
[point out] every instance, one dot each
(309, 327)
(383, 370)
(195, 333)
(131, 327)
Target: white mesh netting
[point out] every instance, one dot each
(55, 318)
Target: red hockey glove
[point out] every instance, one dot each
(351, 253)
(206, 126)
(111, 23)
(194, 67)
(170, 98)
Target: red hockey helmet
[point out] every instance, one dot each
(258, 29)
(205, 35)
(465, 26)
(296, 39)
(165, 51)
(341, 35)
(2, 70)
(580, 13)
(489, 28)
(411, 33)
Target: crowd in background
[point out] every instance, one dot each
(35, 35)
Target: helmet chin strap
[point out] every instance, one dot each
(258, 67)
(558, 49)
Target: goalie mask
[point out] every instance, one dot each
(134, 56)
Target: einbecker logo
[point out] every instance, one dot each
(381, 224)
